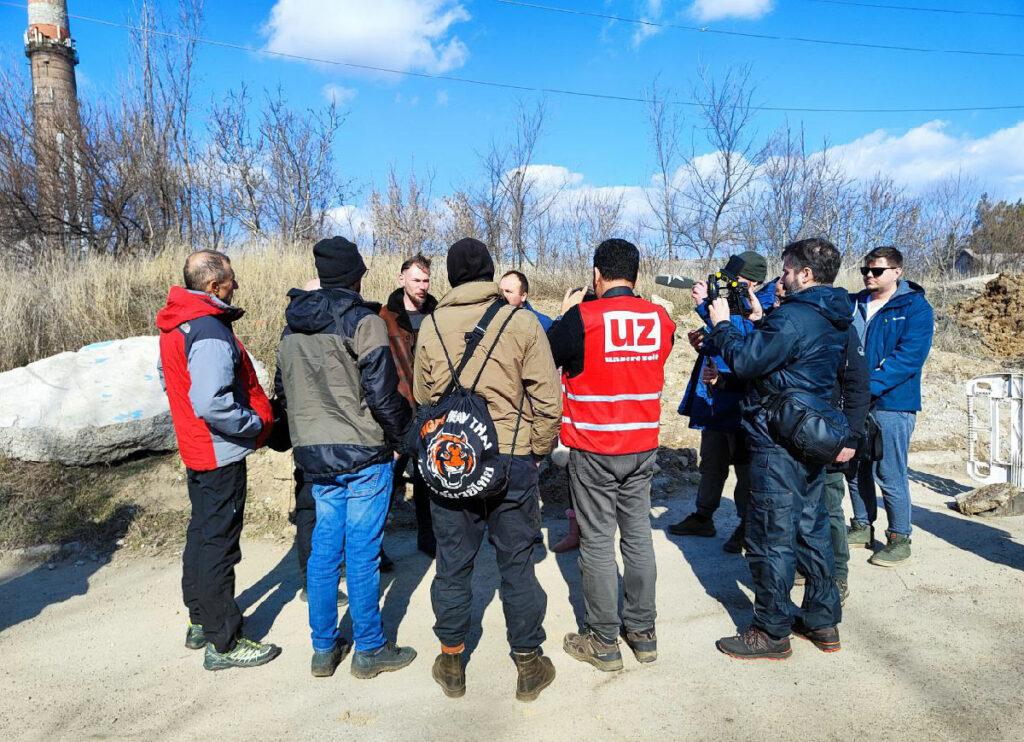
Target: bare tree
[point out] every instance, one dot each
(664, 195)
(716, 181)
(403, 220)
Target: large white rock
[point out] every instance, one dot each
(98, 405)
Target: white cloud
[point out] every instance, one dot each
(548, 178)
(398, 34)
(352, 222)
(337, 94)
(715, 10)
(441, 98)
(651, 13)
(929, 153)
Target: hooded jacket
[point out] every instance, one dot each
(897, 341)
(220, 412)
(402, 337)
(717, 407)
(337, 383)
(521, 363)
(800, 345)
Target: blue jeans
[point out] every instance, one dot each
(891, 474)
(349, 527)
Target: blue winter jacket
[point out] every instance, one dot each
(718, 407)
(896, 343)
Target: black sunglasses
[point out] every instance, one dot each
(876, 272)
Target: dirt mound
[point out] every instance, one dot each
(997, 315)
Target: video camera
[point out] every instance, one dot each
(725, 282)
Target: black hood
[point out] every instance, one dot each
(833, 304)
(310, 312)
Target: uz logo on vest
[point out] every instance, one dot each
(633, 332)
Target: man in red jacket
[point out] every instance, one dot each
(612, 352)
(221, 415)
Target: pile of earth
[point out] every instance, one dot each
(997, 315)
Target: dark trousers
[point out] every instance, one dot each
(212, 551)
(612, 493)
(420, 497)
(719, 451)
(787, 527)
(305, 522)
(835, 493)
(511, 520)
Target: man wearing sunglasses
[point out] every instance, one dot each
(896, 325)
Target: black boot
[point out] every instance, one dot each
(734, 544)
(694, 524)
(535, 674)
(449, 673)
(754, 644)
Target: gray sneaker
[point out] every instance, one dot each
(895, 552)
(246, 653)
(389, 658)
(324, 664)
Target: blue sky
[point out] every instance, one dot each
(443, 124)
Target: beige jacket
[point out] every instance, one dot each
(521, 360)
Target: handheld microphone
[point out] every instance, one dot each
(674, 282)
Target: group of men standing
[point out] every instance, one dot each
(351, 376)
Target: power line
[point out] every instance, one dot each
(761, 36)
(505, 85)
(919, 9)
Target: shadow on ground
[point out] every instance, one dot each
(719, 573)
(26, 596)
(940, 485)
(971, 535)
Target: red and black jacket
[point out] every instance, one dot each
(221, 413)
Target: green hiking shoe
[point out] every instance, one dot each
(323, 664)
(195, 638)
(246, 653)
(860, 534)
(895, 552)
(388, 658)
(844, 591)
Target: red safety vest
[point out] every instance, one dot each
(614, 406)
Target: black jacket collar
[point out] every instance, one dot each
(618, 291)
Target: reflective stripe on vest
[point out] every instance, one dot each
(614, 406)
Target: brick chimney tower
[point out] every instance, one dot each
(56, 124)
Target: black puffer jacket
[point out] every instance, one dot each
(337, 381)
(800, 345)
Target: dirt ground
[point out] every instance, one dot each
(93, 649)
(995, 315)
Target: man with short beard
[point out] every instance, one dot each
(403, 314)
(797, 347)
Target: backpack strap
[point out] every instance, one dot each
(473, 338)
(487, 357)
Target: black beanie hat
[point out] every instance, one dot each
(338, 263)
(469, 260)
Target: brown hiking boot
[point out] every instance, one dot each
(754, 644)
(587, 646)
(535, 674)
(449, 673)
(826, 639)
(643, 643)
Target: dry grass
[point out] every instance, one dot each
(64, 305)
